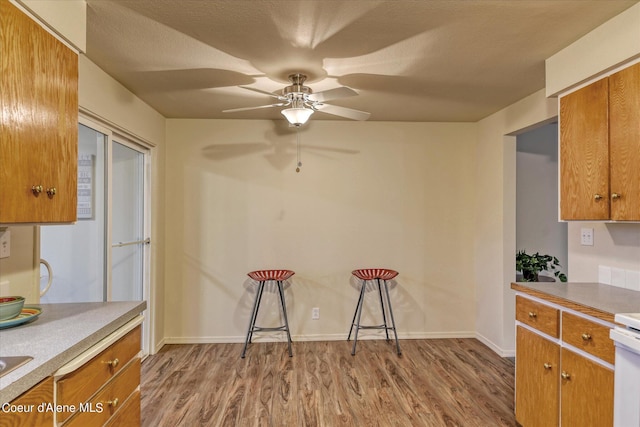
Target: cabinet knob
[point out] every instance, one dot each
(113, 403)
(547, 366)
(532, 315)
(113, 363)
(597, 197)
(51, 191)
(565, 375)
(615, 196)
(36, 190)
(586, 337)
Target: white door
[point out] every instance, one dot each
(130, 231)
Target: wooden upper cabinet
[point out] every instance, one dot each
(39, 126)
(600, 149)
(584, 153)
(624, 134)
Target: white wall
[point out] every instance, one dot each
(495, 225)
(19, 273)
(537, 225)
(607, 46)
(371, 194)
(68, 19)
(615, 245)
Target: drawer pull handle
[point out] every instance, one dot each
(586, 337)
(547, 366)
(532, 315)
(113, 403)
(565, 376)
(113, 363)
(615, 196)
(51, 192)
(36, 190)
(597, 197)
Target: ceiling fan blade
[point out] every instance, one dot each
(264, 92)
(233, 110)
(327, 95)
(349, 113)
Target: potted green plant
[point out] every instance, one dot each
(531, 265)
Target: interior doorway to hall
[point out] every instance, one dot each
(538, 228)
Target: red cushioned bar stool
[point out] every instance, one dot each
(380, 276)
(262, 277)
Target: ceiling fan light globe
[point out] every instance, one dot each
(297, 116)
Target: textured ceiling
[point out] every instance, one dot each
(419, 60)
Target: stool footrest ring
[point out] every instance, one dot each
(372, 327)
(269, 329)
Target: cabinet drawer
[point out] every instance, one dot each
(78, 386)
(538, 315)
(110, 399)
(129, 414)
(588, 336)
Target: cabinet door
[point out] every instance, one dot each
(624, 143)
(41, 393)
(39, 126)
(537, 380)
(587, 393)
(584, 153)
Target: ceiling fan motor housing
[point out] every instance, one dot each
(297, 85)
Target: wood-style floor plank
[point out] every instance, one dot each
(436, 382)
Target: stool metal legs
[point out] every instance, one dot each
(355, 323)
(284, 312)
(254, 315)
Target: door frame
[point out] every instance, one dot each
(124, 137)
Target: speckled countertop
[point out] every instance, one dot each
(597, 296)
(58, 335)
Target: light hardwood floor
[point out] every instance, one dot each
(436, 382)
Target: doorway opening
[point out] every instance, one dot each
(538, 228)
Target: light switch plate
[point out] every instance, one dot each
(586, 236)
(5, 243)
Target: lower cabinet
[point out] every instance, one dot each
(537, 380)
(557, 386)
(100, 387)
(586, 392)
(30, 401)
(103, 386)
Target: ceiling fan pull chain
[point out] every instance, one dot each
(298, 148)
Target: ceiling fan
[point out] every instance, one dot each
(302, 102)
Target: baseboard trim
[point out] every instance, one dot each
(493, 346)
(159, 345)
(315, 337)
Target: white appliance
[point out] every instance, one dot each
(626, 409)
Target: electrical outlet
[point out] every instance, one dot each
(315, 313)
(586, 236)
